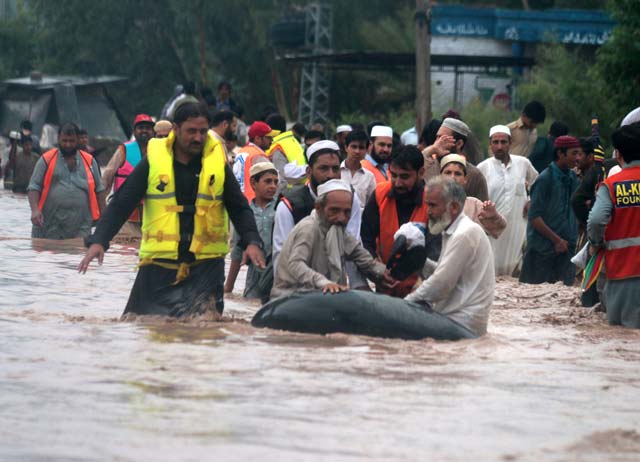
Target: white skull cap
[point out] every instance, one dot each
(381, 130)
(320, 145)
(632, 117)
(499, 129)
(333, 185)
(456, 125)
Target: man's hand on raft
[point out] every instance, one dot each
(254, 253)
(95, 250)
(387, 281)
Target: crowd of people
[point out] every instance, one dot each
(426, 218)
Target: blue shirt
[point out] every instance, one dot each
(264, 221)
(384, 168)
(551, 200)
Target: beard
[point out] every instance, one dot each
(67, 152)
(315, 183)
(228, 134)
(377, 157)
(438, 226)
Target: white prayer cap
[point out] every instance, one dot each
(333, 185)
(453, 158)
(456, 125)
(260, 167)
(381, 130)
(499, 129)
(343, 128)
(321, 145)
(632, 117)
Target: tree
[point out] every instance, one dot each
(158, 44)
(17, 47)
(618, 61)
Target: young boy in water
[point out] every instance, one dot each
(22, 164)
(264, 181)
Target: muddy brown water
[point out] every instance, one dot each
(551, 381)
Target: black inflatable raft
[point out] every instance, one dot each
(357, 312)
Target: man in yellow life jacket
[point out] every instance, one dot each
(189, 195)
(285, 149)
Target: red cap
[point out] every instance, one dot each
(566, 142)
(140, 118)
(261, 129)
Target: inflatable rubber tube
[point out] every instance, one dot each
(357, 312)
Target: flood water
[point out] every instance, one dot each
(549, 382)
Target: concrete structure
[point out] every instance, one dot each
(476, 52)
(464, 31)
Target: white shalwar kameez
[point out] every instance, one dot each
(508, 190)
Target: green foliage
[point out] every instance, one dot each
(618, 60)
(158, 44)
(481, 117)
(389, 33)
(561, 82)
(574, 87)
(17, 47)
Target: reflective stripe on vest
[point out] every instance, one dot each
(288, 144)
(622, 234)
(161, 223)
(380, 178)
(50, 159)
(253, 151)
(132, 157)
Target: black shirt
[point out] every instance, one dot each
(133, 191)
(587, 192)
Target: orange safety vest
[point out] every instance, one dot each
(622, 234)
(50, 158)
(389, 224)
(253, 151)
(380, 178)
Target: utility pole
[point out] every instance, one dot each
(423, 63)
(314, 81)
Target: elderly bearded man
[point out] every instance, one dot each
(315, 253)
(461, 287)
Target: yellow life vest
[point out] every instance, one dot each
(290, 147)
(160, 222)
